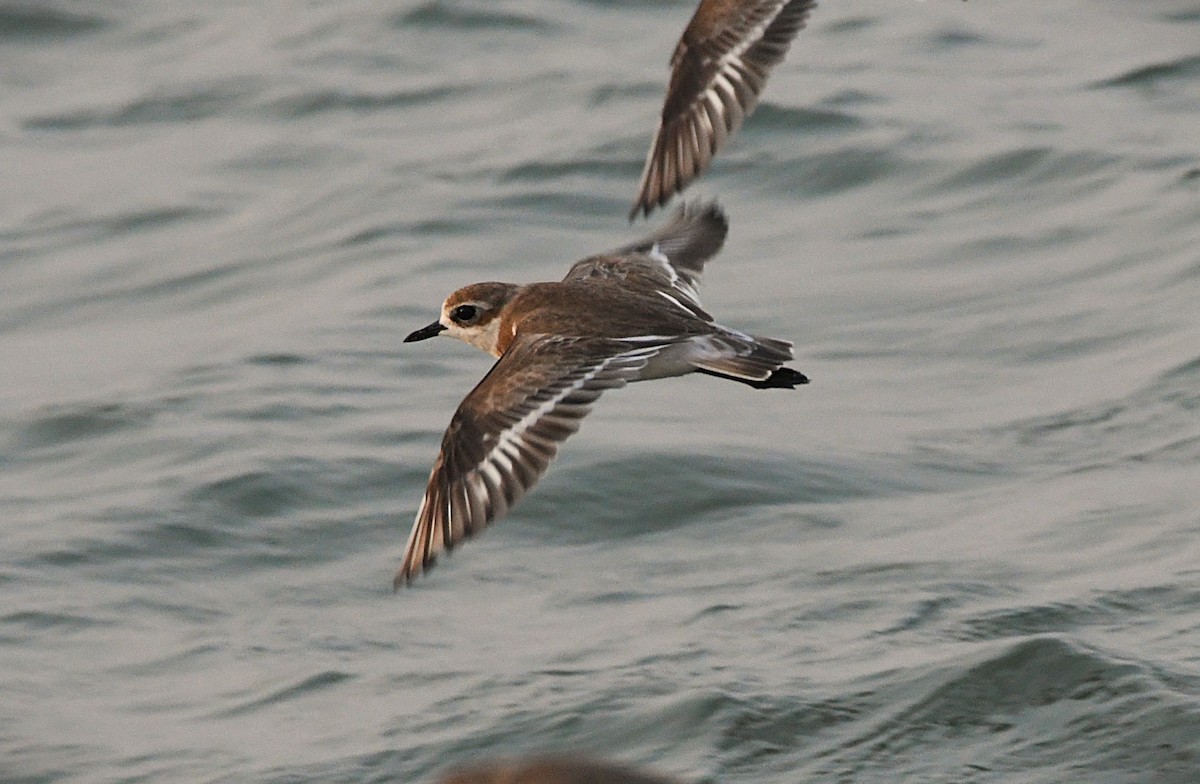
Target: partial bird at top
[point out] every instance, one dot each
(718, 71)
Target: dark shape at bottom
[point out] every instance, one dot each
(550, 770)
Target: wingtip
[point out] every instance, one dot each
(646, 204)
(409, 572)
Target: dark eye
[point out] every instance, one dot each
(464, 313)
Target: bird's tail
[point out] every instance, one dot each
(749, 359)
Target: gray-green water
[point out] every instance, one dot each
(969, 551)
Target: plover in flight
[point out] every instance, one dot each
(718, 71)
(629, 315)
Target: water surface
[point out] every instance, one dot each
(966, 552)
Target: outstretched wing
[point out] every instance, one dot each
(718, 71)
(670, 261)
(507, 430)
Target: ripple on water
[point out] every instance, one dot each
(1155, 423)
(1109, 608)
(828, 173)
(1151, 76)
(305, 687)
(1027, 164)
(624, 496)
(181, 105)
(320, 102)
(778, 118)
(1047, 706)
(36, 23)
(438, 14)
(65, 426)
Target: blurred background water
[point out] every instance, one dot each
(969, 551)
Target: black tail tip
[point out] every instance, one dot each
(782, 378)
